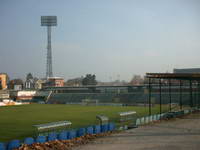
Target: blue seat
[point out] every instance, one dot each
(2, 146)
(63, 135)
(90, 130)
(13, 144)
(72, 134)
(52, 136)
(111, 126)
(104, 128)
(28, 140)
(97, 129)
(81, 132)
(41, 139)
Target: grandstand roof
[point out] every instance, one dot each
(179, 76)
(95, 86)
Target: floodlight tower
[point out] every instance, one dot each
(49, 21)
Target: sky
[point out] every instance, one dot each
(113, 39)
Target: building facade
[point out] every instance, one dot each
(29, 84)
(39, 83)
(55, 82)
(3, 81)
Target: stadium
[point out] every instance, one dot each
(81, 105)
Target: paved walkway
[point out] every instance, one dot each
(177, 134)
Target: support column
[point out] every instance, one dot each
(180, 95)
(170, 96)
(191, 96)
(149, 97)
(160, 96)
(49, 72)
(195, 95)
(198, 92)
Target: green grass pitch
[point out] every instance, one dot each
(16, 122)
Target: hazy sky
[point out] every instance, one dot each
(110, 38)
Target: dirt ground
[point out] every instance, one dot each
(176, 134)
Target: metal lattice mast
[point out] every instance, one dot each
(49, 21)
(49, 72)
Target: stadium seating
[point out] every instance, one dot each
(52, 136)
(104, 128)
(72, 134)
(2, 146)
(97, 129)
(28, 140)
(138, 122)
(131, 97)
(90, 130)
(41, 139)
(147, 119)
(111, 126)
(63, 135)
(142, 120)
(13, 144)
(81, 132)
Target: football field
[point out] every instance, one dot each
(16, 122)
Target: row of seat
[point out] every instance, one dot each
(64, 135)
(168, 115)
(148, 119)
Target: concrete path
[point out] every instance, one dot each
(176, 134)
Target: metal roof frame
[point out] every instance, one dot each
(178, 76)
